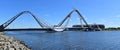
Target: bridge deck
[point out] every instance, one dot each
(39, 29)
(25, 29)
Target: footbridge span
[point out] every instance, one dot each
(45, 26)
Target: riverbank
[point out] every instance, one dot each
(9, 43)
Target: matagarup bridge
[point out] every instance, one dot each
(45, 26)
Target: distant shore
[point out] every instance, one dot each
(9, 43)
(112, 29)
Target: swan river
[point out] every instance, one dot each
(69, 40)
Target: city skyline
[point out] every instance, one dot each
(95, 11)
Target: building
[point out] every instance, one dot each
(95, 27)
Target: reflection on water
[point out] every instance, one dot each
(69, 40)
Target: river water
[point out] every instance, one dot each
(69, 40)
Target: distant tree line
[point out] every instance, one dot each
(112, 28)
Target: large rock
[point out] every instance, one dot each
(9, 43)
(1, 33)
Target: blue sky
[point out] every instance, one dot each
(53, 11)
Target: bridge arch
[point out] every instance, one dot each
(69, 16)
(4, 25)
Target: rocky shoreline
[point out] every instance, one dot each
(9, 43)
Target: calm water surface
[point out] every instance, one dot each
(69, 40)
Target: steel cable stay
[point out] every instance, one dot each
(59, 27)
(42, 21)
(47, 25)
(67, 22)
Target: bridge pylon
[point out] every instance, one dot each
(1, 28)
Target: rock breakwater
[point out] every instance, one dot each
(9, 43)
